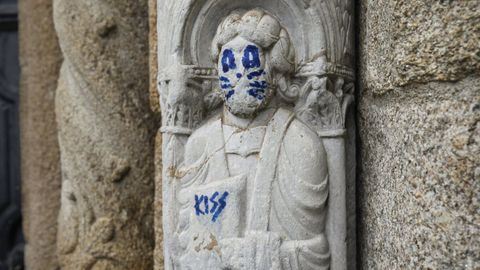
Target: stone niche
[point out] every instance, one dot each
(258, 135)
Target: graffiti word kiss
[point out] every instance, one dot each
(214, 205)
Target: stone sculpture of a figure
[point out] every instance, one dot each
(253, 185)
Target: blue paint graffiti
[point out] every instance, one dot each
(223, 203)
(250, 60)
(217, 207)
(229, 94)
(255, 74)
(258, 90)
(227, 86)
(257, 93)
(198, 201)
(224, 79)
(225, 83)
(212, 200)
(228, 60)
(251, 57)
(259, 84)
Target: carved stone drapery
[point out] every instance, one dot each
(106, 133)
(304, 67)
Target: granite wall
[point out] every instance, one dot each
(418, 112)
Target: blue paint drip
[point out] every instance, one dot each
(228, 60)
(257, 93)
(224, 79)
(255, 74)
(259, 84)
(251, 57)
(225, 82)
(223, 203)
(229, 94)
(198, 201)
(215, 204)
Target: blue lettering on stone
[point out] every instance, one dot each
(217, 206)
(205, 201)
(223, 203)
(251, 57)
(198, 201)
(228, 60)
(212, 200)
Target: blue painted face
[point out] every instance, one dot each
(243, 78)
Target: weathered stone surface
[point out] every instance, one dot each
(40, 59)
(153, 63)
(155, 105)
(419, 186)
(419, 41)
(106, 132)
(158, 257)
(419, 142)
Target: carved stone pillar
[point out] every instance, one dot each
(106, 133)
(258, 149)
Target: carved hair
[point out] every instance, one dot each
(262, 29)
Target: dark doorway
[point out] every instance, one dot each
(11, 237)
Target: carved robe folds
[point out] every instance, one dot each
(287, 184)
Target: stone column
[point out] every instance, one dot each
(106, 132)
(419, 112)
(40, 59)
(155, 105)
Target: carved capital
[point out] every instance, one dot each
(182, 90)
(326, 92)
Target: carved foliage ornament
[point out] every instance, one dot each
(253, 144)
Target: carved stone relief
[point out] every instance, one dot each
(256, 134)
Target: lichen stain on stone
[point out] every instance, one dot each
(213, 243)
(171, 171)
(175, 173)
